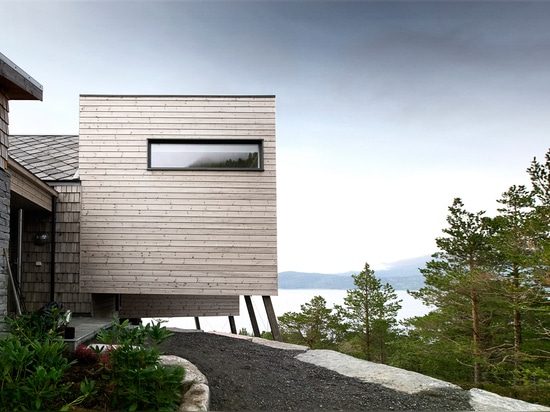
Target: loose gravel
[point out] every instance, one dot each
(244, 375)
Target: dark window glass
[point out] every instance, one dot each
(205, 154)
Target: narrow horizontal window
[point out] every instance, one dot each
(205, 154)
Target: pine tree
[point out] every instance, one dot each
(457, 277)
(370, 312)
(516, 232)
(539, 174)
(313, 326)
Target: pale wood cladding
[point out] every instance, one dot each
(137, 306)
(175, 232)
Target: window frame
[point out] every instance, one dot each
(259, 142)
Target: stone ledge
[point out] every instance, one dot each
(487, 401)
(388, 376)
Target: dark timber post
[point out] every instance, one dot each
(232, 325)
(252, 315)
(52, 253)
(197, 323)
(272, 318)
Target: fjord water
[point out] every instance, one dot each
(288, 300)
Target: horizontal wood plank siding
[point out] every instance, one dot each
(138, 306)
(207, 233)
(104, 305)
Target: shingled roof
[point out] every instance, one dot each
(50, 158)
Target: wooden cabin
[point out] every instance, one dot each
(171, 210)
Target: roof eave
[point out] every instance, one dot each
(17, 84)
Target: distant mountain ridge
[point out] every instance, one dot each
(402, 275)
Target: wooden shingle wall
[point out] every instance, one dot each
(36, 259)
(67, 250)
(35, 265)
(175, 232)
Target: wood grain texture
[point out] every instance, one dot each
(207, 233)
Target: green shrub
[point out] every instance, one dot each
(149, 388)
(31, 373)
(40, 325)
(152, 334)
(33, 364)
(136, 380)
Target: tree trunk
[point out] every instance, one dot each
(517, 338)
(367, 333)
(476, 336)
(517, 321)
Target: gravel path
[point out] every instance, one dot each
(243, 375)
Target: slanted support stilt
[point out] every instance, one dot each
(197, 323)
(272, 318)
(252, 315)
(232, 325)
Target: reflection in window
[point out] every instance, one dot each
(214, 154)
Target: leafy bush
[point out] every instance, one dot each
(147, 388)
(136, 380)
(33, 364)
(34, 371)
(152, 334)
(41, 325)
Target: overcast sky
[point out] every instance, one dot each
(386, 111)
